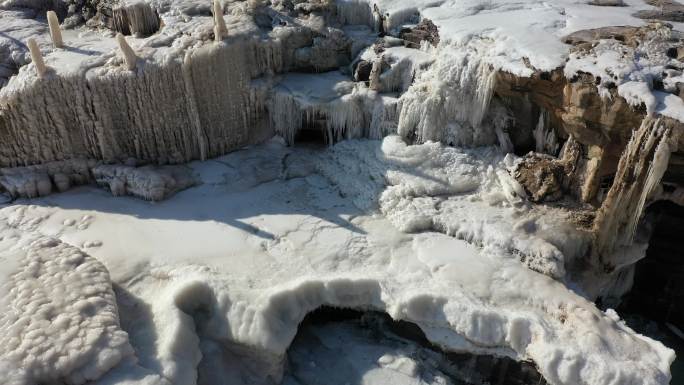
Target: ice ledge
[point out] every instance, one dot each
(569, 340)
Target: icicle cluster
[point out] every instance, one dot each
(453, 95)
(361, 114)
(641, 168)
(183, 110)
(136, 18)
(546, 141)
(355, 12)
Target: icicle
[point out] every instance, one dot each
(654, 175)
(37, 57)
(354, 12)
(545, 138)
(540, 133)
(55, 31)
(286, 116)
(193, 114)
(220, 29)
(128, 53)
(505, 143)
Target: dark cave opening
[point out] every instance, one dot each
(312, 136)
(658, 288)
(655, 304)
(307, 354)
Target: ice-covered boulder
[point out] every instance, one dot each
(147, 182)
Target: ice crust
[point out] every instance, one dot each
(275, 232)
(439, 236)
(59, 319)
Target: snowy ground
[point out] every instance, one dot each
(223, 273)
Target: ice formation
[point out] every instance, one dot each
(129, 55)
(640, 170)
(55, 31)
(37, 58)
(465, 298)
(449, 101)
(59, 317)
(416, 207)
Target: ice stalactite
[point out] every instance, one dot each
(55, 31)
(545, 138)
(384, 118)
(405, 65)
(640, 170)
(355, 12)
(286, 116)
(37, 57)
(454, 94)
(135, 18)
(377, 19)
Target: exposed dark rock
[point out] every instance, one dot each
(426, 30)
(608, 3)
(130, 19)
(668, 10)
(542, 177)
(363, 70)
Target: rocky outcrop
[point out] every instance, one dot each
(426, 30)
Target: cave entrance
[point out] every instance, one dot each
(658, 288)
(340, 346)
(311, 137)
(313, 133)
(655, 304)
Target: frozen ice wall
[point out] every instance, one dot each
(187, 109)
(449, 102)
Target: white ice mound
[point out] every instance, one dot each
(58, 314)
(468, 194)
